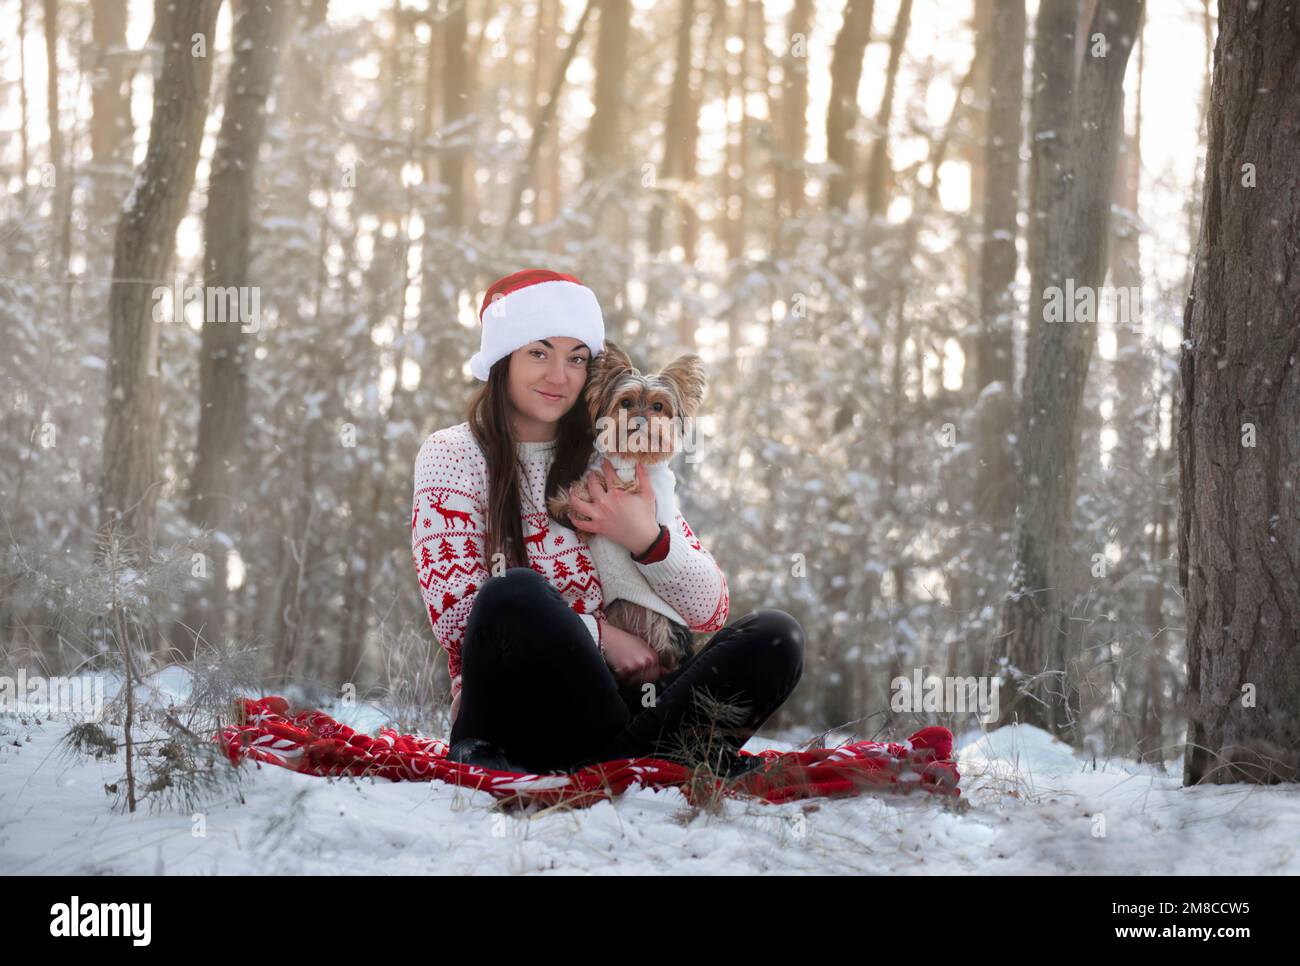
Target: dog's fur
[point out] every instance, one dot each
(666, 398)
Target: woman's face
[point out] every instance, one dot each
(546, 378)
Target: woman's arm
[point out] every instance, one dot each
(687, 577)
(595, 622)
(447, 541)
(684, 574)
(448, 535)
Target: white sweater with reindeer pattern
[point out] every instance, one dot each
(448, 524)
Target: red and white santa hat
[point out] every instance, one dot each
(535, 304)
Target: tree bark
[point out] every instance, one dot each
(793, 140)
(143, 248)
(111, 127)
(1239, 418)
(994, 352)
(1076, 125)
(256, 34)
(604, 136)
(681, 128)
(842, 110)
(439, 293)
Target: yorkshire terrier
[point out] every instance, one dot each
(637, 419)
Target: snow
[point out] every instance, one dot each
(1030, 805)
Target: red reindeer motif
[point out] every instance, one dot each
(449, 517)
(537, 537)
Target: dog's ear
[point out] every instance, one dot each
(603, 373)
(611, 359)
(686, 375)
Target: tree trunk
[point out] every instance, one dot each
(681, 128)
(24, 146)
(729, 185)
(1076, 125)
(61, 160)
(455, 107)
(143, 248)
(605, 138)
(546, 56)
(543, 120)
(1132, 366)
(792, 137)
(110, 127)
(439, 293)
(842, 110)
(995, 360)
(256, 32)
(879, 174)
(1239, 419)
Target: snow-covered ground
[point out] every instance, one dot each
(1028, 806)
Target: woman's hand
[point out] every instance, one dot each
(626, 518)
(632, 660)
(455, 700)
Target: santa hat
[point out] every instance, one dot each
(535, 304)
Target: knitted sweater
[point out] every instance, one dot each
(448, 523)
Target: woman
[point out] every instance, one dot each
(540, 680)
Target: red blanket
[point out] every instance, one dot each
(315, 744)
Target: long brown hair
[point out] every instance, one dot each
(488, 417)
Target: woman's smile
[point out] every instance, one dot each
(550, 396)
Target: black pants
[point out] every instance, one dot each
(535, 684)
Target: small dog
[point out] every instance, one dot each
(638, 419)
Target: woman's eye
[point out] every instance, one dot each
(537, 352)
(580, 359)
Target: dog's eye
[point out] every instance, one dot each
(659, 407)
(626, 404)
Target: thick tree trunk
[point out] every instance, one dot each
(842, 110)
(1239, 419)
(1076, 126)
(143, 250)
(605, 139)
(110, 128)
(995, 361)
(439, 293)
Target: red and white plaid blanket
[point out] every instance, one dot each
(313, 743)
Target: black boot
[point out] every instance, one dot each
(735, 766)
(484, 754)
